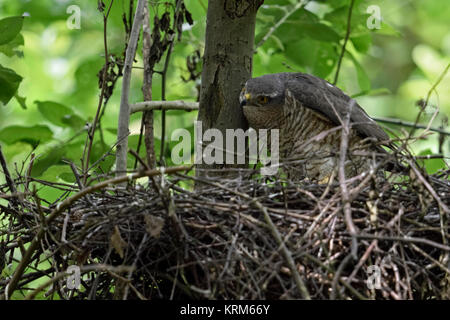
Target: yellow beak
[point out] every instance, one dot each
(248, 96)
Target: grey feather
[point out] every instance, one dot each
(320, 96)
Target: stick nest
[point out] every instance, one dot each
(259, 238)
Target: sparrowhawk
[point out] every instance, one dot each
(309, 113)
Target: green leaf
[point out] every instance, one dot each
(363, 78)
(9, 83)
(74, 151)
(373, 92)
(86, 81)
(277, 42)
(334, 3)
(362, 43)
(10, 49)
(21, 100)
(73, 121)
(431, 165)
(278, 2)
(112, 131)
(339, 17)
(268, 16)
(56, 172)
(31, 135)
(388, 30)
(133, 144)
(319, 31)
(45, 161)
(10, 28)
(59, 114)
(67, 176)
(291, 29)
(315, 57)
(99, 150)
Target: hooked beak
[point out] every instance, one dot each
(247, 97)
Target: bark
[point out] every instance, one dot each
(227, 64)
(124, 113)
(147, 91)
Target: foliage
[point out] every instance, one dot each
(51, 75)
(60, 66)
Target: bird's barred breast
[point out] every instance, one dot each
(311, 143)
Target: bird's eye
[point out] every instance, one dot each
(263, 99)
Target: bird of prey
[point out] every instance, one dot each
(309, 113)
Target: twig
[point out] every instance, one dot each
(65, 204)
(345, 132)
(404, 239)
(147, 117)
(442, 75)
(429, 188)
(130, 273)
(273, 229)
(347, 35)
(163, 105)
(193, 106)
(410, 124)
(286, 253)
(93, 128)
(164, 82)
(84, 269)
(279, 23)
(124, 113)
(427, 99)
(9, 180)
(337, 276)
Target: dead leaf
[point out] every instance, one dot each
(117, 242)
(154, 225)
(373, 209)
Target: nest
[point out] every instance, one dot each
(247, 238)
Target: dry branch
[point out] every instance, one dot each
(124, 113)
(163, 105)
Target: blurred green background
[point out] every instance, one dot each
(388, 69)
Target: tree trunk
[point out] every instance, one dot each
(227, 65)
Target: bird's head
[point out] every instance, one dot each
(262, 101)
(264, 91)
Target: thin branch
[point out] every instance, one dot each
(147, 117)
(124, 113)
(9, 180)
(429, 95)
(429, 188)
(347, 36)
(163, 105)
(83, 269)
(410, 124)
(345, 133)
(91, 132)
(437, 83)
(404, 239)
(164, 82)
(284, 250)
(279, 23)
(193, 106)
(62, 206)
(273, 229)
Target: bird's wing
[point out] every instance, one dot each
(328, 100)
